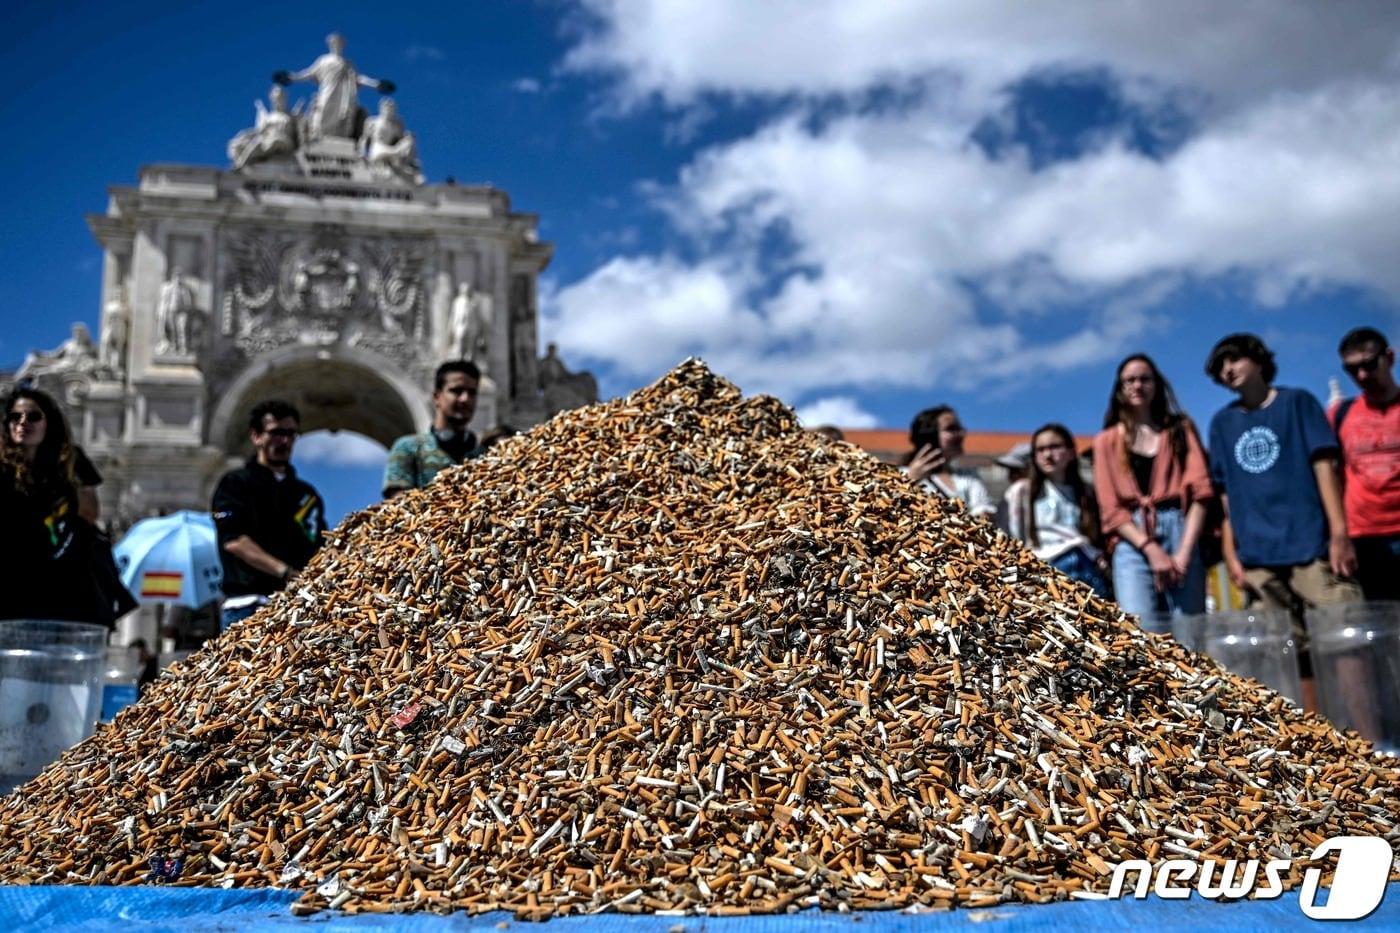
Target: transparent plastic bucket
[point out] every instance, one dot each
(1187, 631)
(1254, 643)
(121, 680)
(1158, 623)
(50, 692)
(1356, 660)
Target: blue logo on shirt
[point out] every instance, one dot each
(1257, 449)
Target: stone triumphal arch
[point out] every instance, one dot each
(318, 267)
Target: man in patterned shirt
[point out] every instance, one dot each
(416, 458)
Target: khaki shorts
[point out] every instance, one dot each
(1298, 588)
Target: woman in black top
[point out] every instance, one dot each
(45, 550)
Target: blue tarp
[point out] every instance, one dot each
(196, 910)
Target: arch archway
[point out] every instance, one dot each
(340, 390)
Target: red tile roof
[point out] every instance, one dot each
(896, 441)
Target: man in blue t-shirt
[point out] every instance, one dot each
(1271, 456)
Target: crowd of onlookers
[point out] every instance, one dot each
(1302, 505)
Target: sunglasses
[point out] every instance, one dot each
(17, 417)
(287, 433)
(1370, 364)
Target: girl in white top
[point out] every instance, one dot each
(937, 436)
(1054, 512)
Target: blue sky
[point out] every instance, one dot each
(865, 209)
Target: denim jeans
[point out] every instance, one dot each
(1132, 577)
(1079, 566)
(230, 616)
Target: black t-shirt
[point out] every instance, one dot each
(44, 558)
(286, 518)
(458, 445)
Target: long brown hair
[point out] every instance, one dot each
(923, 430)
(1083, 495)
(1166, 414)
(54, 461)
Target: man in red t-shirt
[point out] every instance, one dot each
(1368, 428)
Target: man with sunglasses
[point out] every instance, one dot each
(269, 522)
(1368, 429)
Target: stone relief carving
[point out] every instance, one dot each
(324, 282)
(177, 316)
(116, 332)
(282, 290)
(473, 316)
(395, 284)
(274, 133)
(255, 280)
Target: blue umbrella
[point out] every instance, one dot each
(172, 559)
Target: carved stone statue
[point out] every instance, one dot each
(460, 322)
(336, 110)
(388, 146)
(116, 332)
(562, 389)
(273, 133)
(78, 351)
(176, 316)
(76, 354)
(524, 339)
(473, 315)
(66, 371)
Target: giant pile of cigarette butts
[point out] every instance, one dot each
(673, 653)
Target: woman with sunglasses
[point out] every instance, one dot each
(45, 555)
(1054, 512)
(1152, 483)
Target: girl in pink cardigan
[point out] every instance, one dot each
(1152, 482)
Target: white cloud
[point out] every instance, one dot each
(527, 85)
(901, 230)
(681, 49)
(643, 315)
(843, 411)
(340, 449)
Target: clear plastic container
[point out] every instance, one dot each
(121, 681)
(1158, 623)
(1187, 630)
(1254, 643)
(50, 692)
(1356, 660)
